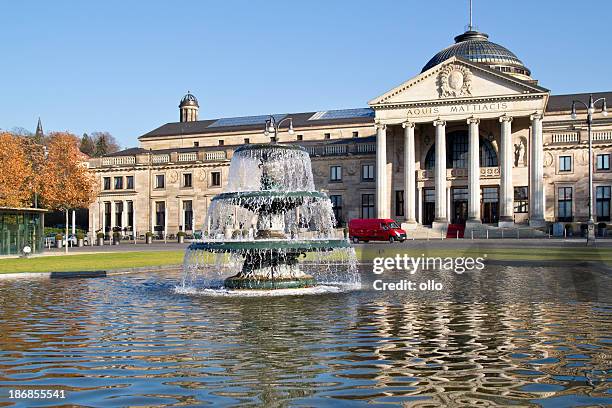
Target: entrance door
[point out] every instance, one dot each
(429, 206)
(490, 205)
(460, 205)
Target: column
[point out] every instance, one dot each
(113, 220)
(420, 203)
(409, 173)
(103, 211)
(165, 219)
(134, 222)
(382, 199)
(506, 190)
(152, 215)
(181, 214)
(73, 222)
(536, 198)
(440, 172)
(473, 171)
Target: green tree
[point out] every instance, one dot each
(105, 143)
(87, 145)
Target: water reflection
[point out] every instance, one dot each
(506, 336)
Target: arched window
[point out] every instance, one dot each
(457, 152)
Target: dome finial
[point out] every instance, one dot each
(470, 26)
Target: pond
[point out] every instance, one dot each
(529, 336)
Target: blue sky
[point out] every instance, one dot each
(122, 66)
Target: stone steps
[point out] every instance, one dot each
(475, 232)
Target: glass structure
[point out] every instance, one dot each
(20, 227)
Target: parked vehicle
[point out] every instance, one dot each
(375, 229)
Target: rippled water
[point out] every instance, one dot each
(502, 337)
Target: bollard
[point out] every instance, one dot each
(487, 234)
(472, 234)
(502, 233)
(457, 234)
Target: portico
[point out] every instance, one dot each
(461, 125)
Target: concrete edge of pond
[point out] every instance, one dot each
(89, 274)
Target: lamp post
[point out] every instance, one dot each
(590, 107)
(272, 127)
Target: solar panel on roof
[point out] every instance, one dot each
(245, 120)
(343, 114)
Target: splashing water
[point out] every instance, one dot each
(270, 232)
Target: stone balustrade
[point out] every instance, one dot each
(567, 137)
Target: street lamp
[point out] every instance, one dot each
(272, 126)
(590, 107)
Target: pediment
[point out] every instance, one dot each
(454, 79)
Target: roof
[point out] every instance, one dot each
(23, 209)
(476, 47)
(560, 103)
(357, 116)
(127, 152)
(254, 123)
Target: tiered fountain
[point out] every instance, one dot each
(269, 216)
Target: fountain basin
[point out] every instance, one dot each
(269, 201)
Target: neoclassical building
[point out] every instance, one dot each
(472, 140)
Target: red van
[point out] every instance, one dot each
(375, 229)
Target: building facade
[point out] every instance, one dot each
(472, 140)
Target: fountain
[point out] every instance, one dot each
(269, 217)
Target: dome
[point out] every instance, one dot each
(189, 100)
(475, 46)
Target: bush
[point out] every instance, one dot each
(117, 236)
(149, 234)
(59, 237)
(100, 235)
(80, 235)
(181, 234)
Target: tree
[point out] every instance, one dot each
(87, 145)
(67, 182)
(15, 172)
(105, 143)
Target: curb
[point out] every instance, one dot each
(89, 274)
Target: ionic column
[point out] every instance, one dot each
(152, 216)
(473, 171)
(103, 213)
(536, 216)
(440, 172)
(409, 173)
(382, 199)
(506, 191)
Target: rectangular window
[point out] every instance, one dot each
(521, 199)
(129, 182)
(399, 203)
(160, 181)
(564, 203)
(603, 161)
(160, 215)
(221, 142)
(118, 183)
(118, 214)
(602, 197)
(565, 163)
(367, 172)
(247, 141)
(187, 180)
(130, 214)
(367, 206)
(107, 214)
(300, 137)
(327, 135)
(355, 134)
(215, 179)
(196, 144)
(188, 214)
(336, 201)
(107, 183)
(335, 173)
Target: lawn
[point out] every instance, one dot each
(118, 260)
(92, 262)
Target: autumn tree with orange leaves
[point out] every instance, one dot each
(67, 184)
(15, 172)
